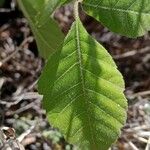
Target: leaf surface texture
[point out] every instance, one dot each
(83, 92)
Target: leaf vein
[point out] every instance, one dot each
(117, 9)
(102, 78)
(62, 75)
(104, 96)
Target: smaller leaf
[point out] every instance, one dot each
(47, 33)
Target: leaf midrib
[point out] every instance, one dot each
(79, 55)
(115, 9)
(81, 74)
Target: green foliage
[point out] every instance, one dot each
(47, 33)
(83, 91)
(127, 17)
(82, 88)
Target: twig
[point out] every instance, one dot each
(24, 96)
(2, 80)
(132, 53)
(144, 133)
(4, 10)
(2, 137)
(4, 27)
(144, 93)
(8, 139)
(148, 144)
(32, 85)
(137, 128)
(29, 39)
(141, 139)
(23, 135)
(28, 106)
(9, 57)
(132, 146)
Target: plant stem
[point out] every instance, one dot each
(76, 9)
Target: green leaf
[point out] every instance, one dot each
(127, 17)
(46, 31)
(83, 92)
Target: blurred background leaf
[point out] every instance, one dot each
(46, 31)
(126, 17)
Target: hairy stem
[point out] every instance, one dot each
(76, 8)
